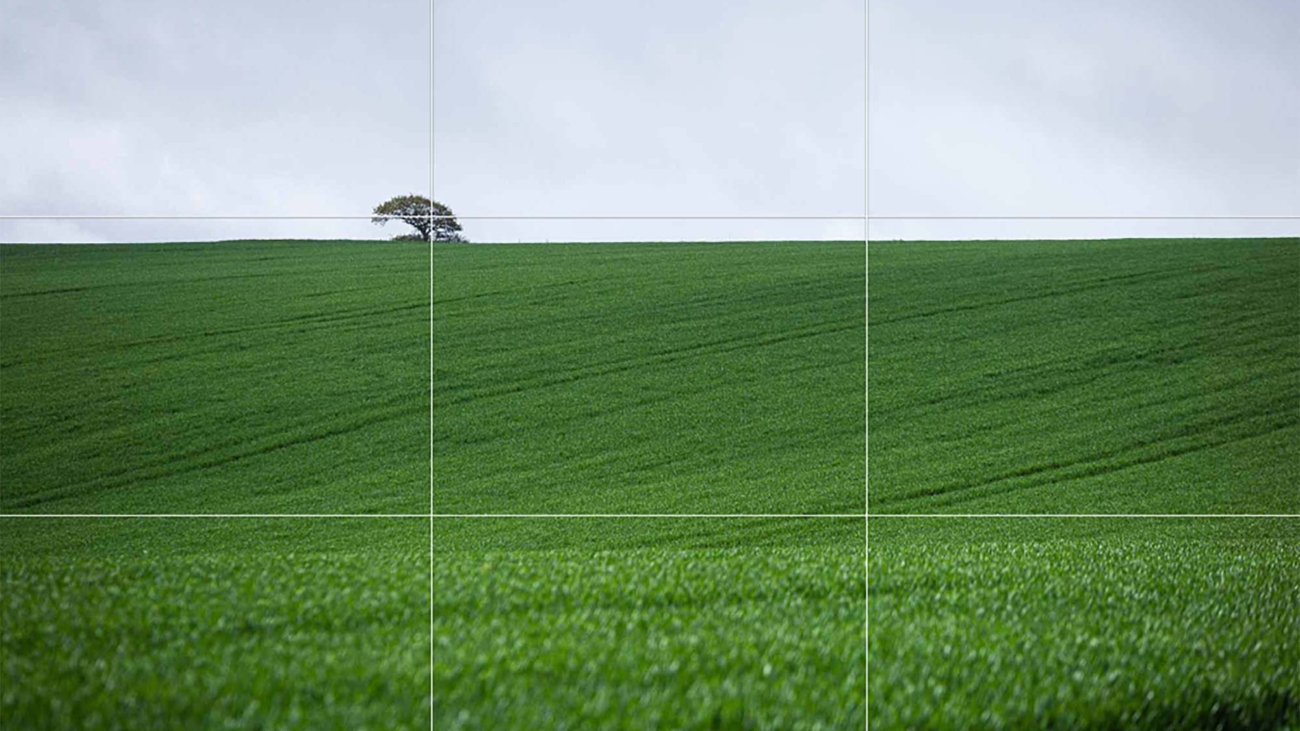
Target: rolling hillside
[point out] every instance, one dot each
(285, 378)
(240, 377)
(1085, 623)
(652, 378)
(1145, 376)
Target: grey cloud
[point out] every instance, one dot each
(586, 108)
(135, 230)
(144, 107)
(1063, 107)
(583, 107)
(534, 230)
(950, 230)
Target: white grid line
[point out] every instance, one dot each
(1085, 516)
(219, 516)
(435, 516)
(1084, 218)
(620, 516)
(831, 217)
(866, 365)
(432, 198)
(612, 516)
(115, 217)
(639, 516)
(368, 216)
(472, 217)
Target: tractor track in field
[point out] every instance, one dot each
(1103, 463)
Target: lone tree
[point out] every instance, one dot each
(431, 219)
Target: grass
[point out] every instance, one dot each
(293, 377)
(649, 378)
(1150, 376)
(263, 377)
(213, 623)
(698, 378)
(288, 377)
(634, 624)
(1085, 624)
(1085, 377)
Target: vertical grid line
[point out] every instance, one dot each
(432, 23)
(866, 356)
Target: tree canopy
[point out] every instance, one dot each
(432, 220)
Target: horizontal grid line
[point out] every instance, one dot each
(857, 217)
(115, 217)
(695, 516)
(1085, 218)
(1143, 516)
(469, 516)
(367, 217)
(434, 516)
(729, 217)
(220, 516)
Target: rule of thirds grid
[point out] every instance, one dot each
(866, 515)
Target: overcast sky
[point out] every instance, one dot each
(669, 108)
(237, 107)
(1085, 107)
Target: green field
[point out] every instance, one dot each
(263, 377)
(1085, 623)
(653, 378)
(164, 623)
(1085, 377)
(294, 377)
(673, 623)
(1144, 376)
